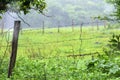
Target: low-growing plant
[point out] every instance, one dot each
(107, 63)
(113, 47)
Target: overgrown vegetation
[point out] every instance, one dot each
(48, 59)
(116, 13)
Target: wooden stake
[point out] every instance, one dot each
(43, 27)
(14, 47)
(72, 25)
(97, 25)
(105, 24)
(58, 26)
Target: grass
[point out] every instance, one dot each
(64, 42)
(33, 43)
(44, 56)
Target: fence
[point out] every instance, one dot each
(58, 42)
(48, 30)
(59, 29)
(96, 24)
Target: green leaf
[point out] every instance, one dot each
(114, 45)
(113, 36)
(113, 40)
(118, 45)
(0, 17)
(114, 70)
(53, 69)
(117, 37)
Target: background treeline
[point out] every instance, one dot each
(63, 12)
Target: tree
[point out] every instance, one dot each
(116, 4)
(22, 5)
(19, 6)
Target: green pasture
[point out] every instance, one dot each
(64, 43)
(45, 56)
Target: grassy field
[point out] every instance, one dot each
(52, 43)
(45, 56)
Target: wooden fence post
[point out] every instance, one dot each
(97, 25)
(14, 47)
(58, 26)
(80, 38)
(105, 24)
(81, 25)
(43, 29)
(72, 25)
(92, 24)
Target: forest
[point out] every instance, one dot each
(64, 11)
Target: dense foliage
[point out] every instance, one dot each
(22, 5)
(63, 69)
(116, 4)
(38, 61)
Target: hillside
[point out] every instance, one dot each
(64, 11)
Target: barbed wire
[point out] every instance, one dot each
(52, 42)
(92, 23)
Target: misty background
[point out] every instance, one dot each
(61, 12)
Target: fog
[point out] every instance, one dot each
(62, 13)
